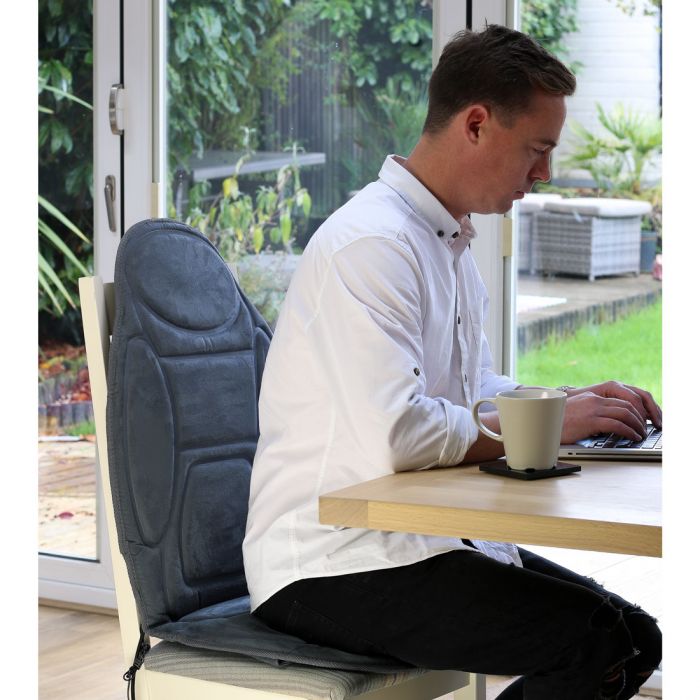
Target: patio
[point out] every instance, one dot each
(560, 305)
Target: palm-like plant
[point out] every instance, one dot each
(49, 282)
(617, 159)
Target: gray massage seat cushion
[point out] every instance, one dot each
(185, 366)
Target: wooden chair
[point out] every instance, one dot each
(185, 672)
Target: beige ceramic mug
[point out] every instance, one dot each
(531, 425)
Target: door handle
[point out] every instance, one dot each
(116, 109)
(110, 196)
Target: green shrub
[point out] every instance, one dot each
(548, 22)
(240, 224)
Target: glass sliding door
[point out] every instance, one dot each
(585, 289)
(73, 561)
(251, 121)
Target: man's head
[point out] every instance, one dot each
(495, 112)
(499, 68)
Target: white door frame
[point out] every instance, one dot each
(493, 246)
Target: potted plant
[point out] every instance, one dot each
(618, 161)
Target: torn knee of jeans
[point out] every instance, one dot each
(613, 682)
(605, 617)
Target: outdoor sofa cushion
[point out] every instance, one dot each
(598, 206)
(535, 201)
(185, 367)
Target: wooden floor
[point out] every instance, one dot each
(80, 652)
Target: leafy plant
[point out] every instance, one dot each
(239, 223)
(86, 427)
(617, 159)
(65, 119)
(220, 53)
(396, 114)
(548, 22)
(651, 8)
(50, 284)
(360, 29)
(65, 216)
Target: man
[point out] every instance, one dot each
(377, 356)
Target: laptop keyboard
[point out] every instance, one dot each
(651, 442)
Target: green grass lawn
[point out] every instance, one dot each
(628, 350)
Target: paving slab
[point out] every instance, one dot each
(559, 305)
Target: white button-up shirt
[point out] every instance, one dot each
(378, 354)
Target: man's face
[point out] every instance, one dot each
(514, 158)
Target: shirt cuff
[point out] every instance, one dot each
(461, 433)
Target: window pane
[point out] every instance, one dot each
(278, 112)
(66, 429)
(588, 294)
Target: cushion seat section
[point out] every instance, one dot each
(294, 679)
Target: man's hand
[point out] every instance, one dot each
(609, 407)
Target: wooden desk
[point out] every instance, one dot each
(607, 507)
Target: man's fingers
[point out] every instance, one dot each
(612, 425)
(629, 418)
(630, 394)
(652, 409)
(627, 408)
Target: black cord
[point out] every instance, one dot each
(142, 649)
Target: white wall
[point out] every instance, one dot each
(620, 56)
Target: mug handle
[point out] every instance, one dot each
(480, 425)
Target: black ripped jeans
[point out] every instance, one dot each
(567, 636)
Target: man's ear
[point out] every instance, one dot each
(473, 119)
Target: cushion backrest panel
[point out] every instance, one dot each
(184, 375)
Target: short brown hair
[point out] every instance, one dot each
(499, 67)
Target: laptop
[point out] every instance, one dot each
(611, 446)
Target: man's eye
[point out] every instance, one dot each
(540, 151)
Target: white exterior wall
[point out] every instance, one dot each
(621, 63)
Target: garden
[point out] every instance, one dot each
(291, 78)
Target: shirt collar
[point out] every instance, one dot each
(424, 202)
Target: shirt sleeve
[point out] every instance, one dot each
(491, 382)
(367, 330)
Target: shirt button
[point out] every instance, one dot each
(459, 319)
(455, 234)
(441, 233)
(416, 371)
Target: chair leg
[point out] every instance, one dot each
(476, 690)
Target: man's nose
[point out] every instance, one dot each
(543, 169)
